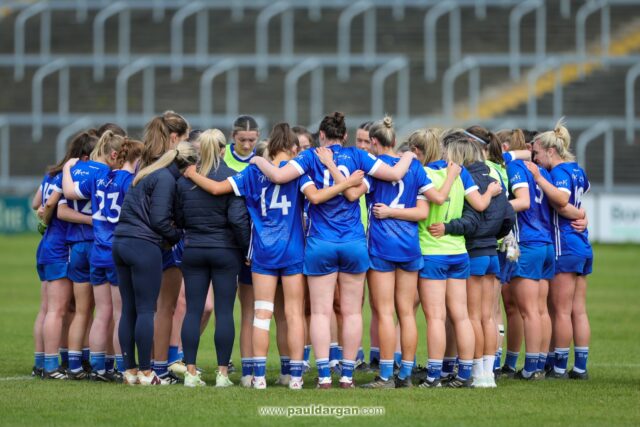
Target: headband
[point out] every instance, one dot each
(480, 140)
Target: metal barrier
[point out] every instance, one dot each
(124, 36)
(532, 81)
(400, 66)
(468, 64)
(5, 175)
(62, 67)
(630, 105)
(177, 35)
(68, 131)
(40, 8)
(430, 21)
(230, 67)
(344, 34)
(515, 19)
(586, 137)
(581, 28)
(148, 89)
(316, 103)
(262, 35)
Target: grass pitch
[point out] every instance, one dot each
(610, 397)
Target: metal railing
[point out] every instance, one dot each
(344, 34)
(452, 8)
(230, 67)
(40, 8)
(630, 105)
(533, 77)
(600, 128)
(401, 67)
(123, 11)
(62, 68)
(581, 28)
(316, 100)
(262, 35)
(515, 21)
(177, 34)
(148, 89)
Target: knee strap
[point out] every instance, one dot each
(263, 324)
(263, 305)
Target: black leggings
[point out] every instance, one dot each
(200, 266)
(139, 267)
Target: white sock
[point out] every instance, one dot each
(488, 362)
(478, 369)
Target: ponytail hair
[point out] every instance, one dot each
(80, 146)
(130, 151)
(489, 141)
(461, 150)
(427, 141)
(183, 155)
(334, 126)
(513, 138)
(558, 139)
(383, 131)
(211, 143)
(157, 135)
(281, 139)
(108, 143)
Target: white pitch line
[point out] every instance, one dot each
(20, 378)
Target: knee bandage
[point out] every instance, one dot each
(263, 324)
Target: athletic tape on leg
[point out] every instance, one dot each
(263, 305)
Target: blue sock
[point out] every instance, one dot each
(464, 369)
(98, 361)
(405, 369)
(347, 368)
(448, 366)
(561, 360)
(498, 361)
(64, 355)
(397, 358)
(542, 361)
(160, 367)
(38, 359)
(333, 352)
(180, 354)
(120, 363)
(296, 368)
(109, 361)
(75, 361)
(51, 362)
(247, 366)
(386, 369)
(339, 354)
(360, 356)
(549, 363)
(307, 353)
(323, 368)
(285, 365)
(512, 359)
(374, 354)
(259, 366)
(530, 364)
(86, 355)
(434, 369)
(581, 354)
(173, 354)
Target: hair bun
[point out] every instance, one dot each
(388, 122)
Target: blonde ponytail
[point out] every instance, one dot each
(183, 155)
(211, 143)
(108, 142)
(558, 139)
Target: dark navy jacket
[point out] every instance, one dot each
(147, 210)
(482, 229)
(212, 221)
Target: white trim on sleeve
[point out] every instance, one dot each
(234, 186)
(470, 189)
(297, 166)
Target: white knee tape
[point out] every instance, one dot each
(263, 324)
(263, 305)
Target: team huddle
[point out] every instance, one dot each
(144, 240)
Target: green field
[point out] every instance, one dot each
(610, 397)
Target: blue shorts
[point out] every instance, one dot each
(582, 266)
(322, 257)
(506, 268)
(245, 274)
(289, 270)
(172, 257)
(442, 267)
(483, 265)
(385, 266)
(535, 262)
(55, 271)
(102, 275)
(79, 267)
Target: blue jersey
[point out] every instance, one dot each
(82, 173)
(533, 225)
(106, 191)
(398, 234)
(570, 178)
(53, 246)
(337, 220)
(277, 238)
